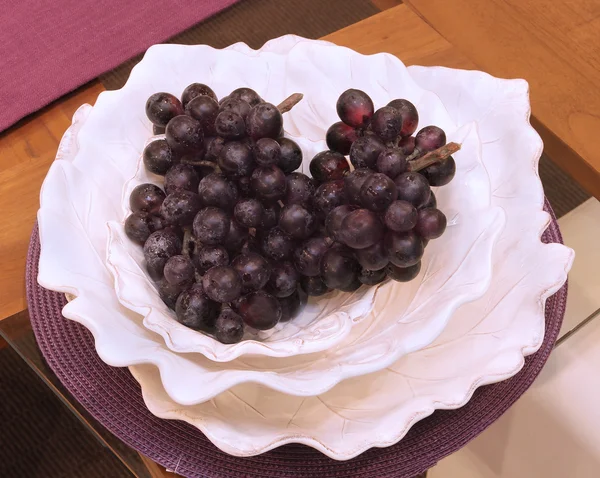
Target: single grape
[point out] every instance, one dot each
(353, 182)
(413, 187)
(409, 114)
(361, 228)
(267, 152)
(291, 155)
(378, 192)
(222, 284)
(353, 286)
(179, 270)
(355, 108)
(392, 162)
(271, 216)
(431, 203)
(169, 293)
(314, 286)
(211, 225)
(440, 174)
(230, 125)
(158, 248)
(212, 147)
(400, 216)
(291, 306)
(373, 258)
(162, 108)
(139, 226)
(328, 196)
(300, 189)
(307, 257)
(158, 157)
(431, 223)
(365, 151)
(370, 277)
(235, 105)
(158, 129)
(215, 190)
(297, 221)
(338, 268)
(146, 197)
(333, 221)
(249, 212)
(268, 182)
(181, 176)
(404, 249)
(229, 327)
(329, 166)
(246, 94)
(264, 121)
(206, 257)
(430, 138)
(340, 136)
(386, 123)
(184, 134)
(283, 280)
(236, 159)
(196, 89)
(407, 145)
(260, 310)
(236, 237)
(277, 245)
(403, 274)
(204, 109)
(180, 207)
(254, 270)
(195, 310)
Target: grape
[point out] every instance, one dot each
(386, 123)
(297, 221)
(283, 280)
(378, 192)
(158, 157)
(329, 166)
(211, 225)
(235, 105)
(194, 90)
(158, 248)
(248, 95)
(355, 108)
(267, 151)
(413, 187)
(340, 137)
(307, 257)
(373, 258)
(354, 285)
(441, 173)
(146, 197)
(260, 310)
(249, 212)
(213, 146)
(365, 151)
(236, 159)
(404, 249)
(400, 216)
(180, 207)
(253, 269)
(338, 268)
(328, 196)
(431, 223)
(204, 109)
(277, 244)
(430, 138)
(139, 226)
(230, 125)
(215, 190)
(291, 306)
(179, 270)
(222, 284)
(403, 274)
(353, 182)
(409, 114)
(291, 155)
(361, 228)
(181, 176)
(300, 189)
(333, 222)
(407, 145)
(268, 182)
(271, 216)
(431, 203)
(314, 286)
(158, 129)
(392, 162)
(195, 310)
(236, 237)
(169, 293)
(210, 256)
(229, 327)
(162, 108)
(184, 134)
(264, 121)
(370, 277)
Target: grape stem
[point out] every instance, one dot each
(291, 101)
(433, 157)
(200, 162)
(188, 239)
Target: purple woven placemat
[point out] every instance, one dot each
(114, 398)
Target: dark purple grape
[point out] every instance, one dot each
(407, 145)
(184, 134)
(277, 245)
(370, 277)
(409, 114)
(210, 256)
(378, 192)
(158, 157)
(229, 327)
(353, 286)
(328, 196)
(432, 201)
(179, 270)
(197, 89)
(247, 94)
(204, 109)
(314, 286)
(158, 248)
(291, 155)
(236, 159)
(283, 280)
(181, 176)
(236, 237)
(430, 138)
(413, 187)
(440, 174)
(264, 121)
(267, 152)
(180, 207)
(260, 310)
(158, 129)
(213, 146)
(333, 222)
(169, 293)
(230, 125)
(404, 249)
(403, 274)
(307, 257)
(268, 182)
(361, 228)
(249, 212)
(146, 197)
(340, 137)
(235, 105)
(222, 284)
(215, 190)
(195, 310)
(162, 108)
(373, 258)
(329, 166)
(354, 182)
(386, 123)
(431, 223)
(297, 221)
(300, 189)
(365, 151)
(355, 108)
(254, 270)
(139, 226)
(401, 216)
(392, 162)
(211, 225)
(291, 306)
(338, 268)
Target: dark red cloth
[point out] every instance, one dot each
(50, 47)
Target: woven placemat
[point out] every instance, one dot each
(114, 398)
